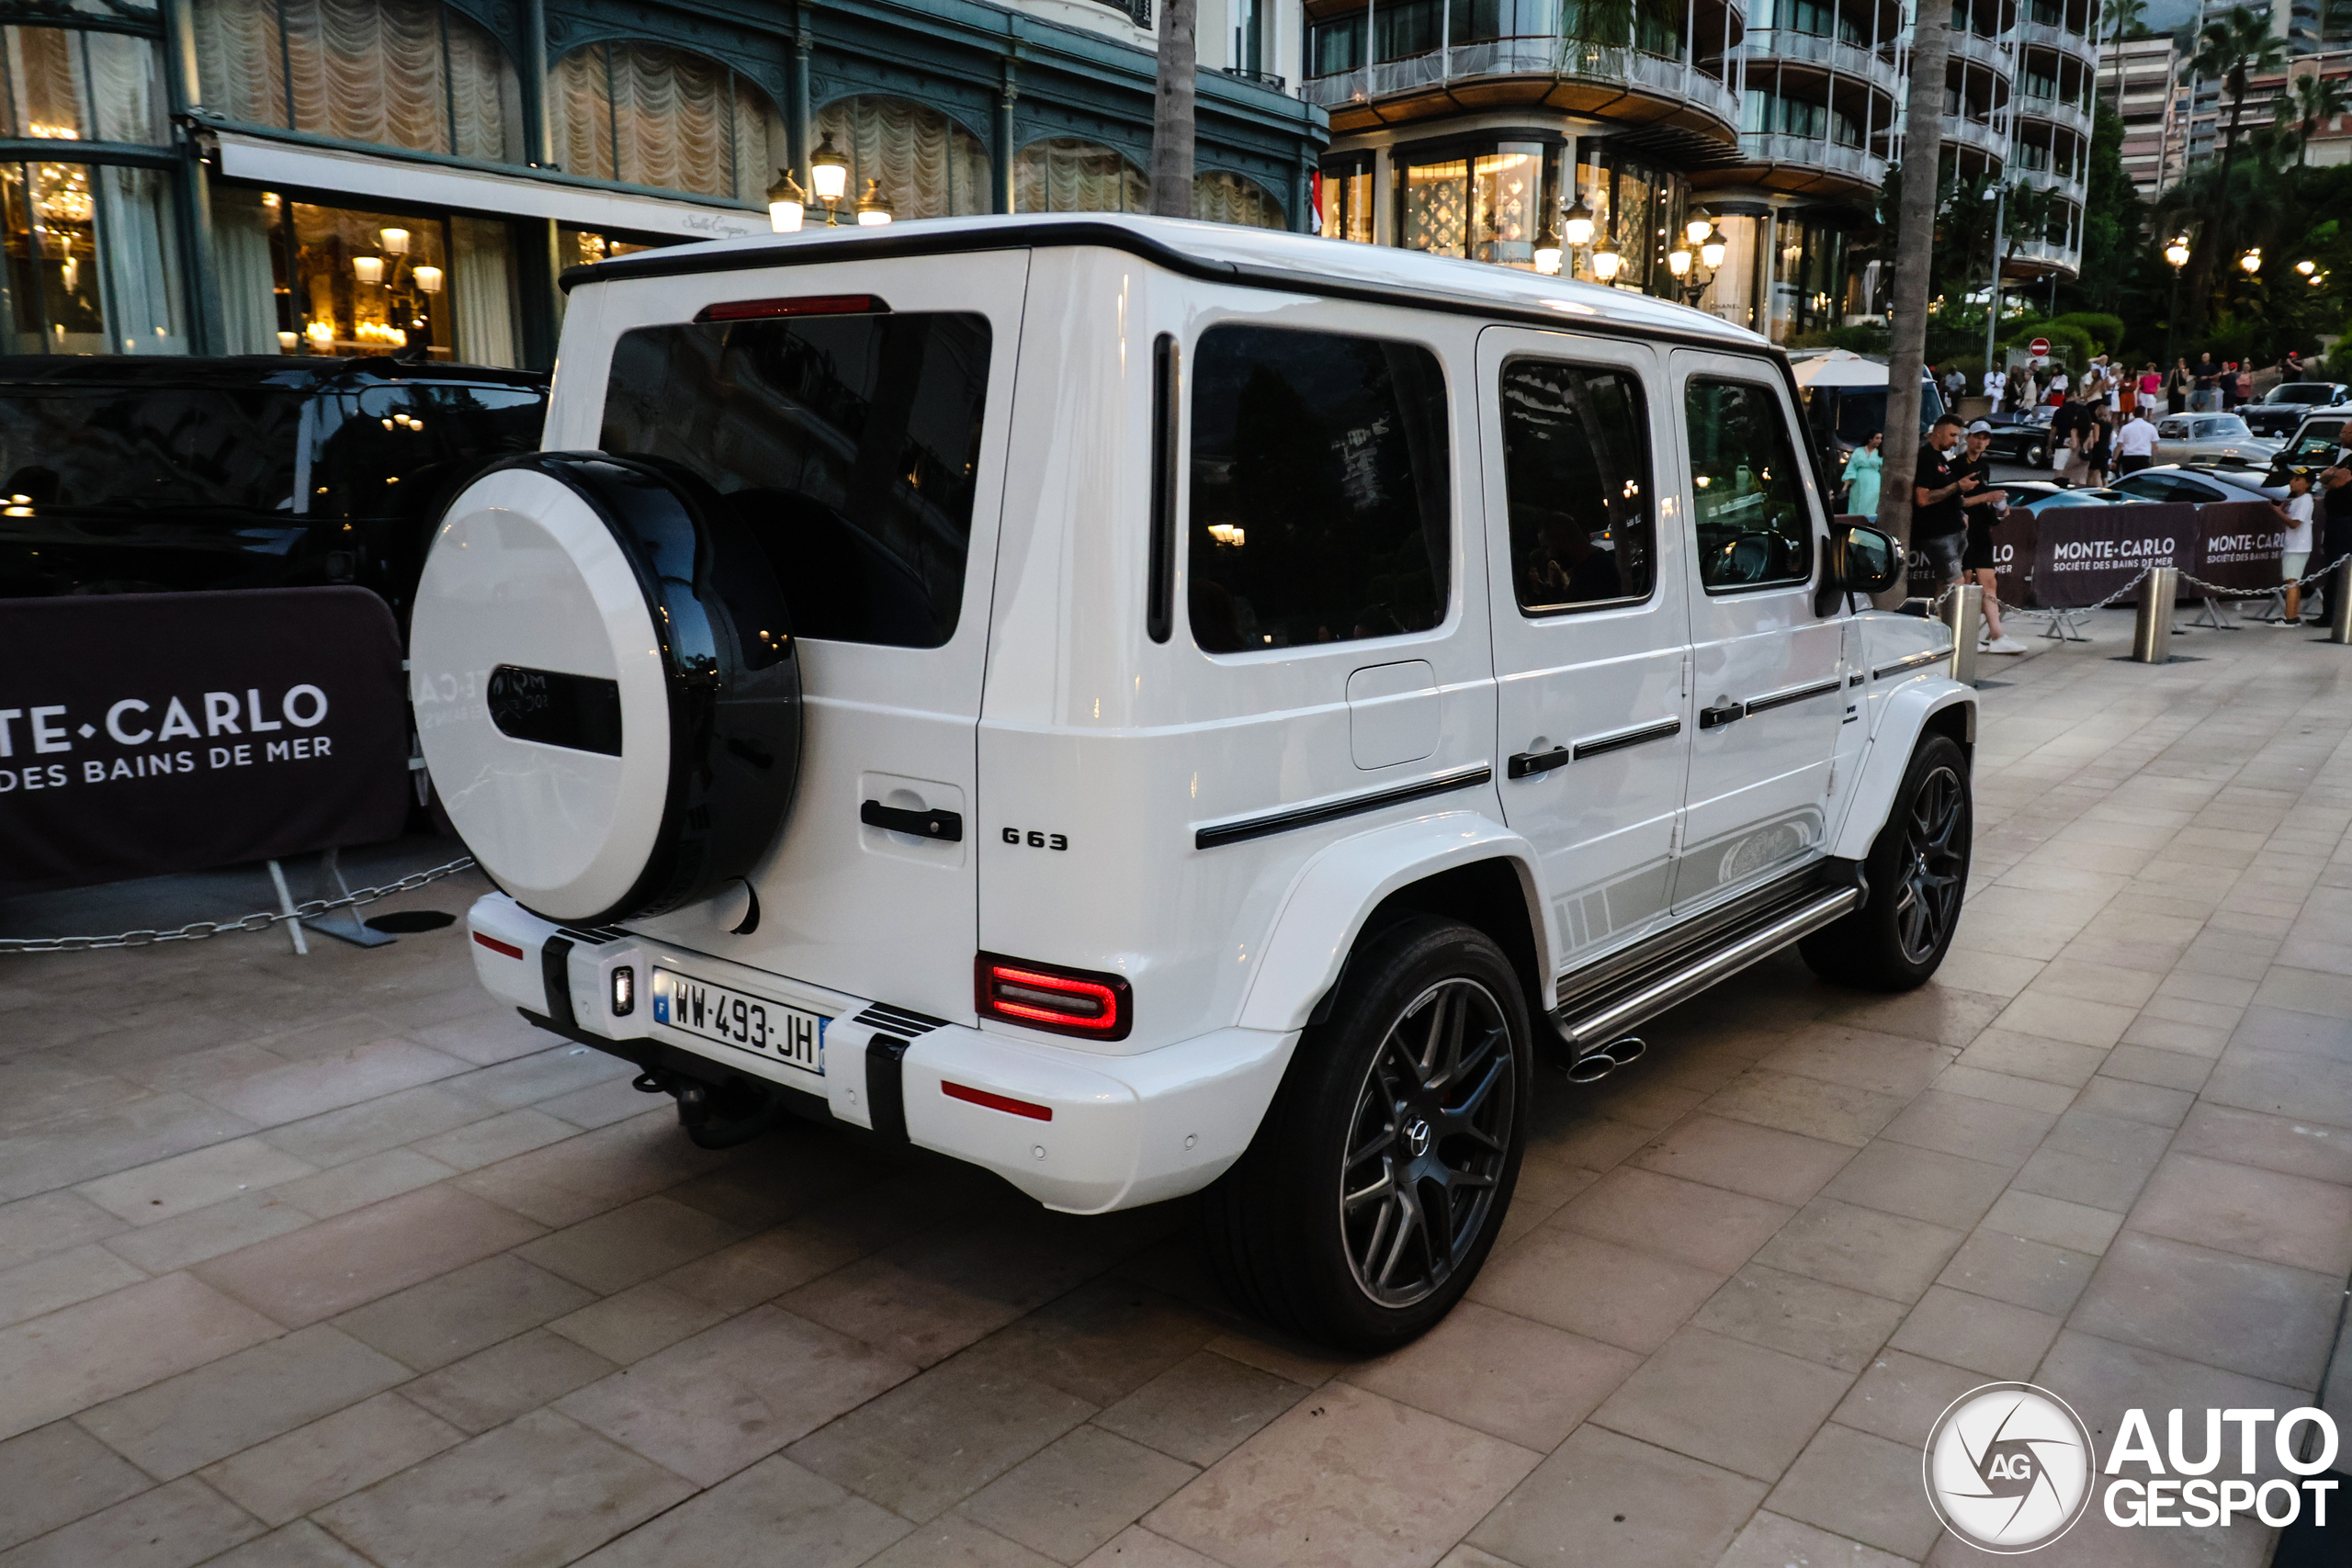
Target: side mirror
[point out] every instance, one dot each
(1860, 559)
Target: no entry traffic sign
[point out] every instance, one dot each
(2039, 348)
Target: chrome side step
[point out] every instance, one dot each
(1610, 1017)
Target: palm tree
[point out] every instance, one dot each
(2126, 19)
(1914, 245)
(2305, 112)
(1174, 109)
(2232, 50)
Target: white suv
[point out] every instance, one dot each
(1145, 706)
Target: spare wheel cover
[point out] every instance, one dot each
(606, 690)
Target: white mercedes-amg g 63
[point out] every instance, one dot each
(1149, 706)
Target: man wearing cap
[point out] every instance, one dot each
(1982, 507)
(1938, 531)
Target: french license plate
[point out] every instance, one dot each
(791, 1035)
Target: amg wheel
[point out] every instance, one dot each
(1917, 871)
(1374, 1190)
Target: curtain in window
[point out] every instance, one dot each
(929, 165)
(646, 115)
(242, 232)
(1063, 174)
(399, 73)
(91, 85)
(481, 282)
(1220, 198)
(140, 257)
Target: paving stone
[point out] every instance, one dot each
(494, 1386)
(1863, 1488)
(1674, 1400)
(540, 1490)
(1862, 1249)
(310, 1466)
(774, 1512)
(2019, 1271)
(52, 1221)
(1919, 1184)
(298, 1545)
(638, 1322)
(1506, 1376)
(56, 1474)
(1763, 1162)
(1986, 1336)
(1203, 1407)
(188, 1421)
(1608, 1498)
(2261, 1213)
(65, 1362)
(2264, 1320)
(191, 1180)
(61, 1280)
(468, 1309)
(1683, 1220)
(170, 1526)
(1346, 1479)
(1076, 1493)
(337, 1264)
(360, 1182)
(1104, 1340)
(618, 1249)
(710, 1406)
(1807, 1318)
(1899, 1397)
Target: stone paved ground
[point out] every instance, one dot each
(327, 1261)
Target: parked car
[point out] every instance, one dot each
(2020, 437)
(2313, 447)
(2209, 438)
(146, 474)
(2280, 412)
(842, 704)
(2037, 497)
(2200, 485)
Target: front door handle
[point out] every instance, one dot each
(1716, 717)
(1527, 765)
(946, 826)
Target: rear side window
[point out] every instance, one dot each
(170, 449)
(1748, 502)
(845, 444)
(1321, 489)
(1576, 472)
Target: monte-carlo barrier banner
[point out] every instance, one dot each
(143, 733)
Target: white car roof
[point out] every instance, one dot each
(1271, 257)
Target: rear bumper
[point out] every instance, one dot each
(1115, 1132)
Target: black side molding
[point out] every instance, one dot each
(554, 973)
(886, 1095)
(1332, 810)
(1600, 745)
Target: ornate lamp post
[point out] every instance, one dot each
(787, 203)
(2177, 255)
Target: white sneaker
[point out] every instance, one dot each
(2004, 644)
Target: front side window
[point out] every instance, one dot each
(1577, 475)
(172, 450)
(845, 446)
(1747, 502)
(1321, 489)
(404, 450)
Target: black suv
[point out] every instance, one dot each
(123, 475)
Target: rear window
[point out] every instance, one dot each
(2320, 440)
(845, 444)
(1321, 489)
(114, 448)
(402, 450)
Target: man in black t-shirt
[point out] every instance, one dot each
(2070, 429)
(2334, 483)
(1937, 530)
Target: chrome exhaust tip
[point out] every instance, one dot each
(1591, 1067)
(1626, 1052)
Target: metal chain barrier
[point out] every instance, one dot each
(2304, 581)
(196, 931)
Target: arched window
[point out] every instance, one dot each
(929, 165)
(1220, 198)
(1063, 174)
(398, 72)
(646, 115)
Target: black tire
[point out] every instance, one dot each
(1426, 1061)
(1917, 871)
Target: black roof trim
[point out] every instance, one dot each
(293, 373)
(887, 245)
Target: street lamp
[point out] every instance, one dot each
(829, 172)
(2307, 267)
(787, 203)
(1711, 250)
(1698, 229)
(1577, 227)
(1547, 251)
(874, 209)
(2177, 255)
(2252, 261)
(1606, 261)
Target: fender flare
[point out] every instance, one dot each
(1344, 883)
(1896, 735)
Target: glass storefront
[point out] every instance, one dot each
(1488, 205)
(1347, 199)
(93, 260)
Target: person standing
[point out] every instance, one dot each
(2152, 387)
(1981, 509)
(2135, 444)
(2098, 447)
(2057, 389)
(1954, 384)
(2205, 388)
(2292, 368)
(1994, 382)
(2335, 523)
(2068, 435)
(2295, 542)
(2179, 383)
(1939, 532)
(1864, 471)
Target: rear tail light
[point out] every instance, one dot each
(1044, 996)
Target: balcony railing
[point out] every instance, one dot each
(1988, 52)
(1981, 134)
(2057, 111)
(1264, 78)
(2044, 35)
(1535, 56)
(1813, 153)
(2050, 179)
(2049, 254)
(1834, 54)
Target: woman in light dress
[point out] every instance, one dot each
(1864, 471)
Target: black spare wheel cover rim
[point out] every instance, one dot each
(729, 666)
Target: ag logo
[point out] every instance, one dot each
(2008, 1467)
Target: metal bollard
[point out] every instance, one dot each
(1964, 613)
(2152, 632)
(2339, 603)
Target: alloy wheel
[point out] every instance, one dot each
(1428, 1142)
(1934, 866)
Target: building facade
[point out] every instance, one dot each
(2142, 78)
(337, 176)
(1478, 128)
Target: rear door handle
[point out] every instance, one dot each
(1715, 718)
(946, 827)
(1527, 765)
